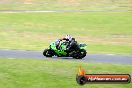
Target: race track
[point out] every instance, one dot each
(99, 58)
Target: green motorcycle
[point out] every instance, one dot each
(75, 50)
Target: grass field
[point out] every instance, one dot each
(23, 73)
(65, 4)
(103, 32)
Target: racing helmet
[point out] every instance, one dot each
(68, 37)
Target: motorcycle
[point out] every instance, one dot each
(76, 50)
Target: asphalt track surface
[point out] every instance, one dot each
(96, 58)
(53, 11)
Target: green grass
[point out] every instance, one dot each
(65, 5)
(105, 49)
(103, 32)
(31, 73)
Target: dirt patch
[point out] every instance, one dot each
(116, 41)
(69, 2)
(28, 1)
(49, 37)
(5, 1)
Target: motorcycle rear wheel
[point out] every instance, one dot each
(80, 54)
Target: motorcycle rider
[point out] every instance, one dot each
(69, 39)
(57, 42)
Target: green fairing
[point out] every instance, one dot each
(83, 46)
(59, 52)
(53, 46)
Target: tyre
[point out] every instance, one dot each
(48, 53)
(75, 54)
(80, 54)
(83, 53)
